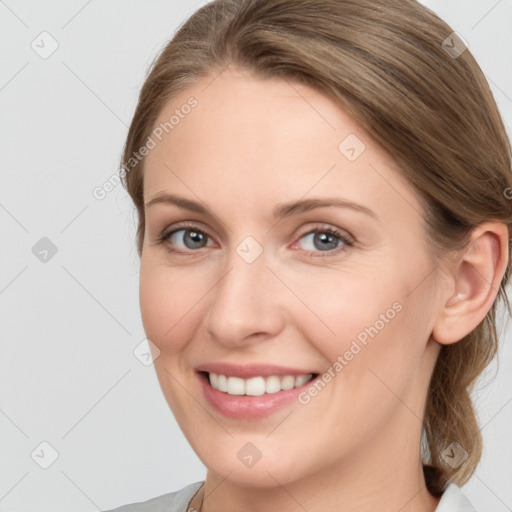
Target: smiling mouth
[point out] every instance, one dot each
(256, 386)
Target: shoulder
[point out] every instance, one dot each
(453, 500)
(172, 502)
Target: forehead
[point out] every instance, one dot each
(247, 137)
(235, 107)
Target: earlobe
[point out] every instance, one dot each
(474, 283)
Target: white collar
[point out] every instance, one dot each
(453, 500)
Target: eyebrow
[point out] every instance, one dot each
(280, 211)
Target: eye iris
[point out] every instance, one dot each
(325, 237)
(196, 237)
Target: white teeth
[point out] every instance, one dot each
(236, 386)
(214, 380)
(222, 383)
(288, 382)
(257, 386)
(273, 384)
(300, 380)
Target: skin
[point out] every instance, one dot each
(247, 146)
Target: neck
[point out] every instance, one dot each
(379, 480)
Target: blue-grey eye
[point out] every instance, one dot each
(322, 241)
(192, 238)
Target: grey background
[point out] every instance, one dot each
(70, 324)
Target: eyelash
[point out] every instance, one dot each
(345, 239)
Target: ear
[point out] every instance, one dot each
(473, 283)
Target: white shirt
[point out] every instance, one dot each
(452, 500)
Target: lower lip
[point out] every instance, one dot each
(246, 406)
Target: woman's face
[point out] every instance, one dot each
(258, 283)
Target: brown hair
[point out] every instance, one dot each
(388, 64)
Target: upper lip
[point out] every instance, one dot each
(246, 371)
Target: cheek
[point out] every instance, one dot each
(166, 304)
(382, 352)
(372, 326)
(353, 307)
(163, 304)
(172, 303)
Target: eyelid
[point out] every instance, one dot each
(183, 225)
(346, 241)
(339, 232)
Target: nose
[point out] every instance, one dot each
(246, 305)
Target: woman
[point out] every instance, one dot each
(324, 238)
